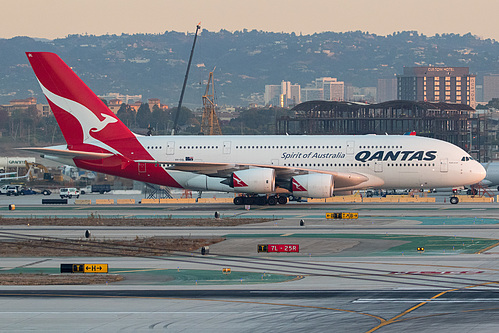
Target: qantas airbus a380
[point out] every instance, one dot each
(267, 169)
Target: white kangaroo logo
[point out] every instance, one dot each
(89, 122)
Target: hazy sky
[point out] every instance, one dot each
(58, 18)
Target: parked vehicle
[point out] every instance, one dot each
(3, 189)
(100, 188)
(13, 189)
(69, 192)
(29, 191)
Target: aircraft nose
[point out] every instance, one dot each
(478, 172)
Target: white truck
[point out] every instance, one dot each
(69, 192)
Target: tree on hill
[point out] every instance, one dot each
(144, 116)
(126, 114)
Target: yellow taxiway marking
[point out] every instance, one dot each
(286, 235)
(223, 301)
(392, 320)
(396, 318)
(487, 248)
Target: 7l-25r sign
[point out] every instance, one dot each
(278, 248)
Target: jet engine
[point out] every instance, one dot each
(258, 180)
(313, 185)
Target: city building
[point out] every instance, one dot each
(387, 90)
(283, 95)
(156, 101)
(127, 99)
(437, 84)
(490, 87)
(334, 90)
(43, 110)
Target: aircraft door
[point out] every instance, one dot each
(227, 147)
(350, 147)
(378, 166)
(142, 167)
(170, 148)
(444, 165)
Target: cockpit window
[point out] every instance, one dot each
(467, 158)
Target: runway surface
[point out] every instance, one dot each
(360, 275)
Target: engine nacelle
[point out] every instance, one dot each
(314, 185)
(258, 180)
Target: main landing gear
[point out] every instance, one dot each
(261, 200)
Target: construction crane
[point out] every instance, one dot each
(209, 123)
(179, 108)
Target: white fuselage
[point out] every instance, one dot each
(388, 161)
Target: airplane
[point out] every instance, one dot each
(6, 174)
(9, 176)
(492, 177)
(265, 169)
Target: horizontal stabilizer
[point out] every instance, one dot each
(84, 155)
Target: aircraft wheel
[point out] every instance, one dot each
(272, 200)
(282, 200)
(261, 200)
(454, 200)
(249, 200)
(238, 201)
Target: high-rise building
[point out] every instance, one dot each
(387, 90)
(283, 95)
(437, 84)
(490, 87)
(324, 88)
(312, 94)
(334, 90)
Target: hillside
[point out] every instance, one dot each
(154, 64)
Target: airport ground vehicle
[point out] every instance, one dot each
(98, 188)
(3, 189)
(266, 169)
(69, 192)
(14, 189)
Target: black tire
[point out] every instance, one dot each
(454, 200)
(282, 200)
(249, 200)
(238, 201)
(82, 192)
(70, 196)
(261, 201)
(272, 201)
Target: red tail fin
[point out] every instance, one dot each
(81, 115)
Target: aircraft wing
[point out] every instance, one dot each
(283, 173)
(3, 174)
